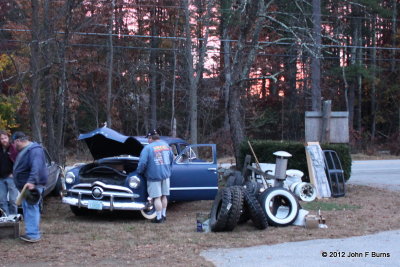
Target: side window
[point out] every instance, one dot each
(196, 155)
(174, 149)
(182, 147)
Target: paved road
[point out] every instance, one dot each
(352, 252)
(357, 251)
(379, 173)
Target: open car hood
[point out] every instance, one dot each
(105, 142)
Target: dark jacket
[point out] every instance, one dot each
(6, 165)
(30, 167)
(12, 152)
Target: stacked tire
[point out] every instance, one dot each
(236, 204)
(254, 209)
(226, 209)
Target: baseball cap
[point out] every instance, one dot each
(151, 133)
(18, 135)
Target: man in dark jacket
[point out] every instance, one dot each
(8, 191)
(30, 170)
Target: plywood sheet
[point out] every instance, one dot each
(316, 168)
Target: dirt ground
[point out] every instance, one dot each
(123, 239)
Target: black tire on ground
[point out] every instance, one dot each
(236, 208)
(220, 210)
(79, 211)
(255, 210)
(275, 197)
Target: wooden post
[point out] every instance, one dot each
(326, 117)
(257, 164)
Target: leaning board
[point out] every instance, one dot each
(316, 169)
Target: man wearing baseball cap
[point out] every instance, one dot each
(30, 170)
(155, 164)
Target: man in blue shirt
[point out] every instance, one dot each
(155, 164)
(30, 170)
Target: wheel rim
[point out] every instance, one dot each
(306, 192)
(283, 202)
(149, 213)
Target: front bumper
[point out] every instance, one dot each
(106, 205)
(106, 197)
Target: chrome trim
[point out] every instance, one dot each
(79, 199)
(111, 202)
(193, 188)
(106, 205)
(105, 186)
(97, 192)
(105, 193)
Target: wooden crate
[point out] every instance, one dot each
(9, 229)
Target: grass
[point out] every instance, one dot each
(328, 206)
(116, 239)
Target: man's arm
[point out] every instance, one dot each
(142, 161)
(36, 161)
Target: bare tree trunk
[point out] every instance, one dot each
(153, 71)
(356, 25)
(48, 58)
(110, 65)
(173, 119)
(228, 77)
(373, 86)
(35, 102)
(252, 18)
(195, 74)
(316, 57)
(359, 78)
(62, 90)
(191, 76)
(394, 35)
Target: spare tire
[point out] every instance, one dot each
(277, 200)
(220, 210)
(255, 210)
(236, 208)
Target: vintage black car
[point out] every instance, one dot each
(56, 174)
(111, 182)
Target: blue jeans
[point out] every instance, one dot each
(32, 218)
(7, 187)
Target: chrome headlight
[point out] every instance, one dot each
(70, 178)
(134, 182)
